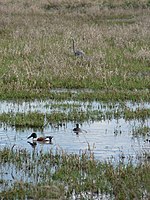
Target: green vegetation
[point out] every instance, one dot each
(144, 130)
(40, 120)
(36, 48)
(36, 60)
(104, 95)
(58, 175)
(23, 120)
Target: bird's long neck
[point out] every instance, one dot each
(73, 46)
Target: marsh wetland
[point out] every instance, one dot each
(64, 63)
(109, 129)
(113, 134)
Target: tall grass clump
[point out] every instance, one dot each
(24, 120)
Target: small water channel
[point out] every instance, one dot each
(107, 138)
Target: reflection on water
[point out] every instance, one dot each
(106, 138)
(101, 137)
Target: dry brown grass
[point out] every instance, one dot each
(36, 47)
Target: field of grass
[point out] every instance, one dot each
(36, 48)
(37, 61)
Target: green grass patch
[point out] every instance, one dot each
(81, 174)
(23, 120)
(143, 130)
(40, 120)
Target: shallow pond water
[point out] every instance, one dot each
(106, 138)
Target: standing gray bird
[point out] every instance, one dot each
(79, 53)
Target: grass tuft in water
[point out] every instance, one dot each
(56, 174)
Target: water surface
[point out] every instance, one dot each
(106, 138)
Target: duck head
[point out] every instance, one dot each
(33, 135)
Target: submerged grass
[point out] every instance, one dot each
(57, 175)
(41, 120)
(36, 55)
(20, 120)
(144, 131)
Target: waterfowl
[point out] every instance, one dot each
(40, 139)
(77, 129)
(79, 53)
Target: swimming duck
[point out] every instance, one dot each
(77, 129)
(41, 139)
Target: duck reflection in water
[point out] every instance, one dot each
(33, 144)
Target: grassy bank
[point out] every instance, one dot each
(36, 48)
(56, 175)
